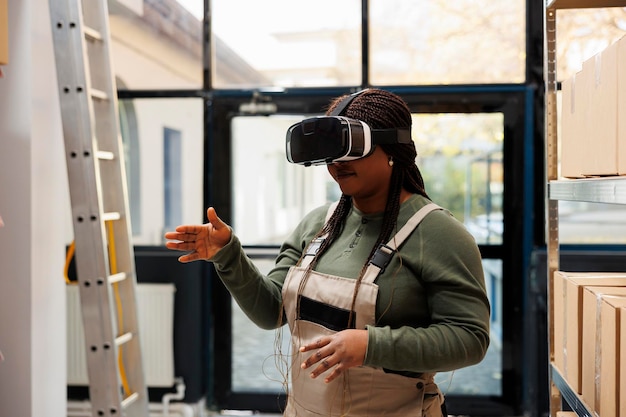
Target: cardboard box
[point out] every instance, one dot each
(567, 324)
(593, 116)
(621, 107)
(4, 32)
(592, 299)
(600, 141)
(622, 366)
(571, 136)
(575, 126)
(608, 352)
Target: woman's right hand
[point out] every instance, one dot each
(201, 241)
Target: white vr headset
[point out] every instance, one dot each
(335, 138)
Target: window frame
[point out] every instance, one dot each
(511, 101)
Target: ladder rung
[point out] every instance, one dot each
(99, 94)
(109, 156)
(125, 338)
(120, 276)
(126, 402)
(107, 217)
(92, 34)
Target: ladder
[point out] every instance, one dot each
(105, 263)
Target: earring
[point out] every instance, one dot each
(390, 161)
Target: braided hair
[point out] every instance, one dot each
(380, 109)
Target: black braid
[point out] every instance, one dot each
(380, 109)
(334, 226)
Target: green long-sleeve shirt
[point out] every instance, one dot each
(432, 310)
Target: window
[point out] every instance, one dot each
(427, 42)
(172, 159)
(164, 150)
(132, 155)
(317, 44)
(281, 193)
(156, 44)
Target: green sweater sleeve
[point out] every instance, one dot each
(259, 296)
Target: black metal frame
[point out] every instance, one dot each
(511, 101)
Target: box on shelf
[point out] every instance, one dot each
(621, 393)
(593, 116)
(593, 326)
(4, 32)
(568, 319)
(600, 148)
(602, 391)
(572, 135)
(621, 107)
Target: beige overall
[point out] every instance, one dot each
(360, 391)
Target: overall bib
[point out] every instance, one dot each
(359, 391)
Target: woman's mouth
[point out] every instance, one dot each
(343, 174)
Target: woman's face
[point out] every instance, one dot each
(366, 180)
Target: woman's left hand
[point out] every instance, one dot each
(340, 351)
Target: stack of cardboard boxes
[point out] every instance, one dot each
(593, 116)
(590, 338)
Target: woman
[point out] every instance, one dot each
(380, 291)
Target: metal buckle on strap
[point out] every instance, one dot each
(314, 246)
(382, 256)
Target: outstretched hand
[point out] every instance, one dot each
(201, 241)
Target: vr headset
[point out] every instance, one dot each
(335, 138)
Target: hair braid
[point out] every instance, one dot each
(380, 109)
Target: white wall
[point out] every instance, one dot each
(34, 203)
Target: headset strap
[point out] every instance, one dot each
(338, 111)
(379, 136)
(391, 136)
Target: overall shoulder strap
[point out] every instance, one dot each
(385, 252)
(315, 244)
(410, 225)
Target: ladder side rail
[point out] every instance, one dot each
(83, 172)
(90, 123)
(113, 174)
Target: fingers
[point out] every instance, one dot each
(322, 355)
(319, 343)
(326, 363)
(180, 245)
(190, 257)
(184, 233)
(211, 214)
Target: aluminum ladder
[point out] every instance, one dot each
(105, 263)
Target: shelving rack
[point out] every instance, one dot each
(596, 190)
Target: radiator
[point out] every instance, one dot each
(155, 303)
